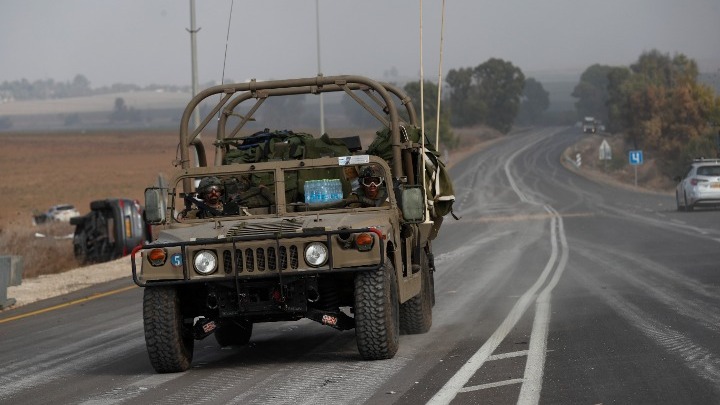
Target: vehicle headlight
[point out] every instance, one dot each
(205, 261)
(316, 254)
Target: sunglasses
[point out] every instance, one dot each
(215, 189)
(372, 181)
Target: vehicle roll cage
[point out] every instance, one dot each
(232, 95)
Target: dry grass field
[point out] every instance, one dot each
(41, 170)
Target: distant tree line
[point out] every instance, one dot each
(123, 113)
(495, 94)
(78, 87)
(658, 104)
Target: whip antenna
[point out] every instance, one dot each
(422, 79)
(227, 39)
(422, 116)
(437, 122)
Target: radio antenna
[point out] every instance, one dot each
(437, 121)
(227, 39)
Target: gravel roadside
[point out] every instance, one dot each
(52, 285)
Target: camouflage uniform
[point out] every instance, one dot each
(358, 198)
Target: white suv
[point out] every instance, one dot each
(700, 185)
(62, 212)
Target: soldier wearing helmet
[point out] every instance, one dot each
(372, 191)
(210, 191)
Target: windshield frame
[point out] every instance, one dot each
(281, 207)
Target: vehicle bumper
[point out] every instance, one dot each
(704, 196)
(256, 258)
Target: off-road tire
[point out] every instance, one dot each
(99, 205)
(416, 313)
(233, 333)
(169, 342)
(80, 246)
(377, 313)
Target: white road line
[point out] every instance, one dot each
(508, 355)
(448, 392)
(532, 383)
(492, 385)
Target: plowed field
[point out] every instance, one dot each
(43, 169)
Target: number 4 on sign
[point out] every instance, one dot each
(636, 158)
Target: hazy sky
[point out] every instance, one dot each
(146, 42)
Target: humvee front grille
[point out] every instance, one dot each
(249, 261)
(261, 259)
(283, 226)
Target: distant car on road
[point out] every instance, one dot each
(589, 125)
(700, 186)
(60, 212)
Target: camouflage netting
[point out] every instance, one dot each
(439, 187)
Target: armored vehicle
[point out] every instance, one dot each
(284, 225)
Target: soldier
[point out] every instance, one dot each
(372, 191)
(210, 191)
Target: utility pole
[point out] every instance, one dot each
(317, 30)
(193, 57)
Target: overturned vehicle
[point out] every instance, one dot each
(112, 229)
(284, 225)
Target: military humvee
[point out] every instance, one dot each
(291, 242)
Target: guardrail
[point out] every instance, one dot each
(11, 268)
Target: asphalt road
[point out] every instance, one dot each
(551, 289)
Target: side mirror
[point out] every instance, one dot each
(155, 206)
(413, 204)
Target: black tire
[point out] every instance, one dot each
(416, 313)
(688, 207)
(169, 341)
(677, 202)
(233, 333)
(99, 205)
(80, 248)
(377, 313)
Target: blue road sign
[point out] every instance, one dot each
(635, 157)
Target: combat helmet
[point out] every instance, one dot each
(371, 171)
(206, 183)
